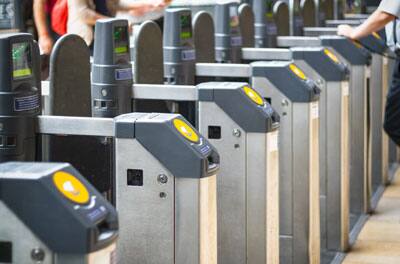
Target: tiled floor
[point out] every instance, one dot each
(379, 241)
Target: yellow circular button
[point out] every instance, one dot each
(357, 44)
(72, 188)
(185, 130)
(253, 95)
(296, 70)
(376, 35)
(331, 56)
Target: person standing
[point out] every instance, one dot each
(386, 15)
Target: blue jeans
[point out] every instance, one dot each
(392, 111)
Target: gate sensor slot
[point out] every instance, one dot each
(214, 132)
(5, 252)
(135, 177)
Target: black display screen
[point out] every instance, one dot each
(269, 9)
(22, 60)
(186, 27)
(120, 40)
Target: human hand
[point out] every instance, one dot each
(346, 31)
(160, 4)
(45, 44)
(143, 8)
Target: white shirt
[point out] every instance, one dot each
(392, 7)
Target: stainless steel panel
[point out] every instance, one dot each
(282, 105)
(23, 240)
(375, 130)
(78, 126)
(294, 169)
(187, 225)
(226, 70)
(358, 139)
(262, 198)
(146, 217)
(301, 183)
(337, 214)
(266, 54)
(298, 42)
(231, 184)
(165, 92)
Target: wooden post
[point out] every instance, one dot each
(314, 226)
(345, 167)
(208, 220)
(272, 216)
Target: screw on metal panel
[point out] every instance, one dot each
(236, 132)
(320, 82)
(162, 179)
(237, 146)
(285, 102)
(37, 254)
(163, 195)
(103, 92)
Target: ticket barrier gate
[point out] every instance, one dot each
(321, 7)
(296, 100)
(378, 152)
(357, 59)
(334, 131)
(11, 19)
(244, 128)
(336, 9)
(266, 28)
(296, 22)
(140, 137)
(51, 214)
(334, 153)
(388, 64)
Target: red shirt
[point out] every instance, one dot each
(49, 5)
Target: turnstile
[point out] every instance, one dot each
(54, 215)
(177, 155)
(357, 59)
(378, 162)
(112, 78)
(265, 28)
(296, 20)
(244, 128)
(300, 213)
(20, 97)
(11, 16)
(170, 178)
(322, 65)
(334, 131)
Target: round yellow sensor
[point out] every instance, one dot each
(253, 95)
(72, 188)
(296, 70)
(357, 44)
(331, 56)
(185, 130)
(376, 35)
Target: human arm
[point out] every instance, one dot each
(44, 38)
(139, 8)
(374, 23)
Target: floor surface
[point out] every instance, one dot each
(379, 240)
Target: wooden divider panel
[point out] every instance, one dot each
(246, 18)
